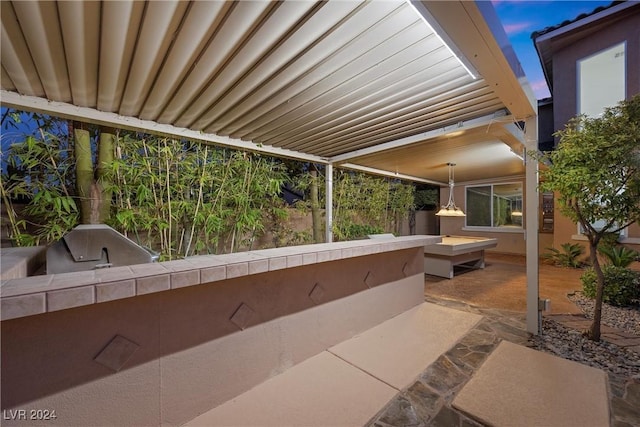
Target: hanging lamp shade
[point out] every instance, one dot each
(450, 209)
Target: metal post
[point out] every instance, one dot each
(328, 177)
(531, 223)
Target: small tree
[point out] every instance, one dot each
(595, 172)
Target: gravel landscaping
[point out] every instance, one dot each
(623, 318)
(573, 345)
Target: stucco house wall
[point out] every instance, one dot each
(579, 42)
(510, 241)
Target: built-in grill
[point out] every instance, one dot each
(93, 246)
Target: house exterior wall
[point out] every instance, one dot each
(565, 94)
(565, 75)
(509, 241)
(566, 231)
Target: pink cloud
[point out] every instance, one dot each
(540, 88)
(517, 27)
(539, 85)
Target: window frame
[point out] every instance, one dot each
(500, 229)
(582, 72)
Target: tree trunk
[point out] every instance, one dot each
(594, 332)
(315, 207)
(84, 173)
(412, 222)
(105, 158)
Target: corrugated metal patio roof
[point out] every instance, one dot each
(366, 84)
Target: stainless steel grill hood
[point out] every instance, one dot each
(93, 246)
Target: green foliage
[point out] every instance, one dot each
(40, 170)
(366, 204)
(618, 256)
(621, 285)
(183, 198)
(595, 169)
(283, 234)
(176, 197)
(426, 198)
(361, 231)
(567, 257)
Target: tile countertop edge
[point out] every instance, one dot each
(17, 295)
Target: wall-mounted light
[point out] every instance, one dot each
(450, 209)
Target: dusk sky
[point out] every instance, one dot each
(521, 18)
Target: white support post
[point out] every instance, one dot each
(328, 178)
(531, 223)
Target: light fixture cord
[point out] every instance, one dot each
(451, 203)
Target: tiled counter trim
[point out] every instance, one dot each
(40, 294)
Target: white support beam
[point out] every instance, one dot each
(93, 116)
(398, 143)
(328, 177)
(515, 131)
(512, 136)
(390, 174)
(531, 224)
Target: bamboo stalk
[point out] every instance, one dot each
(199, 202)
(84, 173)
(168, 202)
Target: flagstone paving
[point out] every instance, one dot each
(429, 400)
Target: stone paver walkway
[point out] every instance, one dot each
(624, 393)
(428, 401)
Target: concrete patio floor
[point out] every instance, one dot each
(460, 359)
(503, 285)
(432, 365)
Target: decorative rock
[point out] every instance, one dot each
(421, 395)
(443, 376)
(623, 411)
(400, 413)
(623, 318)
(447, 417)
(572, 345)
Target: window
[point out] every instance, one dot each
(601, 80)
(494, 205)
(600, 224)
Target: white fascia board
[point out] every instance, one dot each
(93, 116)
(587, 20)
(390, 174)
(460, 126)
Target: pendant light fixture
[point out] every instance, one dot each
(450, 209)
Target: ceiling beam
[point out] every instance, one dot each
(390, 174)
(398, 143)
(102, 118)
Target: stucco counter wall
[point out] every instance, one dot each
(158, 344)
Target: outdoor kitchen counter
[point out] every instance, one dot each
(40, 294)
